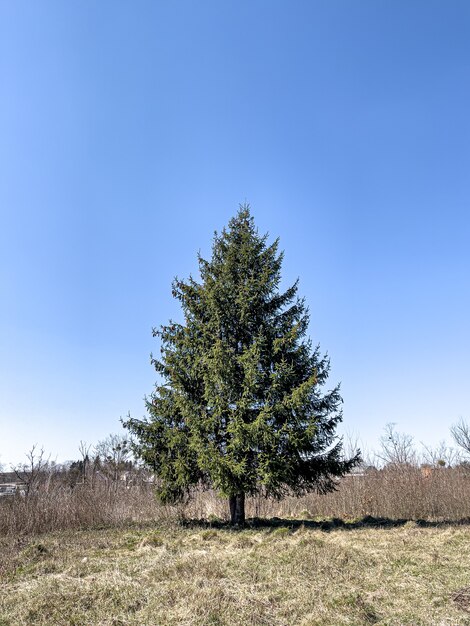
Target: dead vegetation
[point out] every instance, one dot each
(268, 576)
(396, 492)
(390, 547)
(462, 599)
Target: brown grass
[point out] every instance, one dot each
(394, 493)
(188, 576)
(86, 506)
(108, 555)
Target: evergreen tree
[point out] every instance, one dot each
(239, 407)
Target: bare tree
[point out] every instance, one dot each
(352, 446)
(31, 472)
(440, 456)
(396, 448)
(114, 453)
(84, 450)
(461, 435)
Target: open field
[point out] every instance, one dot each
(329, 574)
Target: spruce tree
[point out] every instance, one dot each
(239, 406)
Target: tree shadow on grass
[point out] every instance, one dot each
(327, 525)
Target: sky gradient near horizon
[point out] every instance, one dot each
(129, 132)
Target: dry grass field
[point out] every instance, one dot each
(440, 494)
(313, 574)
(111, 556)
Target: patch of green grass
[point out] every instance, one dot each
(282, 531)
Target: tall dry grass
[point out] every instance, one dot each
(85, 506)
(395, 492)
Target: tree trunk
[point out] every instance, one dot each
(237, 509)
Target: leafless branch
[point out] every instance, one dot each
(31, 472)
(440, 456)
(396, 448)
(461, 435)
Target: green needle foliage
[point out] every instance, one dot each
(240, 407)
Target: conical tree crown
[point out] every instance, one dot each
(240, 408)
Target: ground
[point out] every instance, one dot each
(310, 575)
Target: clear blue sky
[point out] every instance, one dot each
(129, 131)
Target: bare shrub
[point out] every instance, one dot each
(406, 492)
(395, 492)
(112, 490)
(83, 506)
